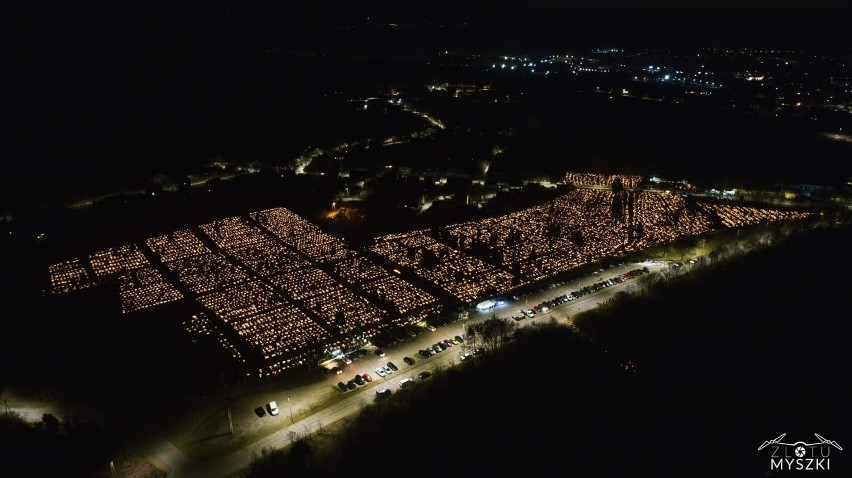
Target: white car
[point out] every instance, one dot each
(273, 408)
(381, 371)
(431, 327)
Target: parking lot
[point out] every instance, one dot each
(445, 345)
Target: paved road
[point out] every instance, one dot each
(184, 467)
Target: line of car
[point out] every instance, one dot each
(547, 304)
(440, 346)
(352, 384)
(384, 371)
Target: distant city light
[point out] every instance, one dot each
(666, 77)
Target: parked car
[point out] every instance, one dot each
(406, 382)
(459, 338)
(423, 375)
(359, 380)
(392, 366)
(379, 352)
(381, 371)
(408, 360)
(351, 385)
(436, 348)
(367, 377)
(260, 412)
(337, 370)
(341, 386)
(382, 393)
(272, 407)
(432, 328)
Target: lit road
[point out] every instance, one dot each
(31, 414)
(182, 466)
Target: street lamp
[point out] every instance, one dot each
(290, 406)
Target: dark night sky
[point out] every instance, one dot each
(70, 66)
(172, 26)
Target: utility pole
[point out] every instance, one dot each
(463, 315)
(290, 406)
(230, 422)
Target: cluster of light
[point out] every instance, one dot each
(461, 275)
(629, 181)
(280, 331)
(242, 300)
(302, 235)
(67, 276)
(303, 283)
(378, 284)
(144, 288)
(284, 223)
(417, 316)
(403, 296)
(541, 241)
(203, 325)
(226, 344)
(738, 216)
(345, 312)
(267, 258)
(330, 250)
(665, 218)
(359, 270)
(207, 272)
(297, 310)
(176, 245)
(587, 225)
(233, 232)
(199, 324)
(293, 312)
(117, 259)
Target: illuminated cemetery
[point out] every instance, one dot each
(277, 292)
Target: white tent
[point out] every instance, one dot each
(485, 305)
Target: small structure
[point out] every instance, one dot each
(485, 305)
